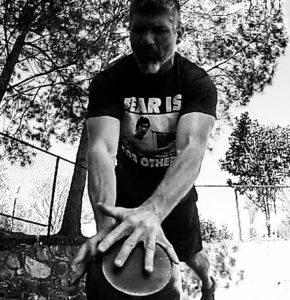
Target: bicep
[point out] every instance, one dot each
(103, 134)
(194, 129)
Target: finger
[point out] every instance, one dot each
(78, 274)
(127, 248)
(168, 248)
(150, 252)
(111, 211)
(87, 250)
(115, 235)
(82, 253)
(79, 264)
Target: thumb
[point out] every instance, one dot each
(82, 253)
(111, 211)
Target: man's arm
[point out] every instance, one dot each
(144, 222)
(103, 134)
(192, 137)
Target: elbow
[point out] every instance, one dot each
(192, 145)
(100, 152)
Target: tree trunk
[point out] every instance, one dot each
(238, 215)
(71, 223)
(11, 61)
(267, 214)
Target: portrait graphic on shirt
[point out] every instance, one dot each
(149, 139)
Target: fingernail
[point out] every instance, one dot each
(118, 263)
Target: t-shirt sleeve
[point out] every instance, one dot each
(200, 96)
(102, 100)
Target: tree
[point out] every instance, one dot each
(73, 208)
(258, 155)
(237, 42)
(49, 51)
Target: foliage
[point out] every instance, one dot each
(222, 257)
(258, 155)
(19, 153)
(49, 51)
(238, 43)
(211, 233)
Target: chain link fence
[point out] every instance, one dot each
(34, 186)
(259, 211)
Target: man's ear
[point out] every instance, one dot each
(180, 32)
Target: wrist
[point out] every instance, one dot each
(105, 222)
(152, 207)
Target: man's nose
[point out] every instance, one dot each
(148, 38)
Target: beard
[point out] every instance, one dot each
(151, 60)
(149, 67)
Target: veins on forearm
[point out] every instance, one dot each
(178, 180)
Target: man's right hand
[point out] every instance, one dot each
(87, 251)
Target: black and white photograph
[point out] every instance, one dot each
(144, 149)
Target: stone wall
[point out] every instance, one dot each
(38, 268)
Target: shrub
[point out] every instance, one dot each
(222, 258)
(211, 233)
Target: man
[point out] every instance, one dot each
(142, 127)
(147, 198)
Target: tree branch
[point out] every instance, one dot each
(41, 74)
(238, 51)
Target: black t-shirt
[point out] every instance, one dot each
(149, 107)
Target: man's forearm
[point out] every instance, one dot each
(178, 180)
(101, 180)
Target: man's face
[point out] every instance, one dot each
(142, 129)
(153, 40)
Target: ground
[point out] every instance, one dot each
(266, 266)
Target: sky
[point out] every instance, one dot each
(271, 107)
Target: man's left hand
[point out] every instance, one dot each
(138, 224)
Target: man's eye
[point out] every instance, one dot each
(138, 29)
(160, 30)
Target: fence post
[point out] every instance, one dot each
(52, 195)
(238, 214)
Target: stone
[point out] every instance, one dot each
(3, 287)
(42, 253)
(12, 261)
(72, 251)
(71, 290)
(20, 272)
(59, 252)
(58, 296)
(3, 256)
(36, 269)
(60, 268)
(78, 297)
(32, 284)
(20, 283)
(29, 252)
(5, 272)
(44, 288)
